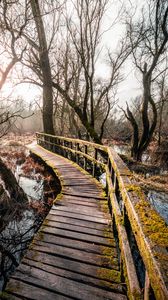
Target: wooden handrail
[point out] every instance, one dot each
(137, 223)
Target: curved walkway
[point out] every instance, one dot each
(73, 256)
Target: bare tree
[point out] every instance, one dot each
(82, 89)
(45, 68)
(11, 55)
(148, 38)
(162, 105)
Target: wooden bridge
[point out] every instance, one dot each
(93, 245)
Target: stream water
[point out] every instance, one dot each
(159, 201)
(18, 233)
(33, 188)
(15, 239)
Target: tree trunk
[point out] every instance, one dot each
(45, 68)
(15, 191)
(93, 134)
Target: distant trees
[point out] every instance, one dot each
(149, 38)
(162, 106)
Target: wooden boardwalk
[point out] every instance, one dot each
(73, 256)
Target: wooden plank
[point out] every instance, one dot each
(74, 266)
(73, 203)
(83, 199)
(64, 286)
(78, 222)
(68, 242)
(76, 254)
(79, 236)
(32, 292)
(75, 276)
(83, 195)
(94, 219)
(76, 228)
(79, 210)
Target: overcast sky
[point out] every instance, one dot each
(129, 88)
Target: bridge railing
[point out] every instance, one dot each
(141, 233)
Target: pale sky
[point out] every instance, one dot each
(129, 88)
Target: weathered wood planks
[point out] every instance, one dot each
(73, 256)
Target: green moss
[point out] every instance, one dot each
(161, 256)
(45, 223)
(41, 235)
(5, 296)
(58, 198)
(151, 233)
(153, 225)
(135, 188)
(108, 251)
(109, 261)
(105, 208)
(108, 274)
(113, 286)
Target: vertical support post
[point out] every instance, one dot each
(45, 141)
(56, 148)
(71, 154)
(77, 155)
(49, 145)
(62, 149)
(85, 159)
(37, 138)
(59, 148)
(52, 145)
(94, 164)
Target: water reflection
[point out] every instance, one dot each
(21, 225)
(31, 187)
(159, 201)
(14, 239)
(121, 149)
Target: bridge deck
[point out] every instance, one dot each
(73, 256)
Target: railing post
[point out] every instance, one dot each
(94, 164)
(49, 143)
(71, 154)
(37, 138)
(63, 150)
(77, 155)
(85, 159)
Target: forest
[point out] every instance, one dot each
(90, 70)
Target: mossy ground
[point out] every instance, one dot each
(153, 225)
(109, 274)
